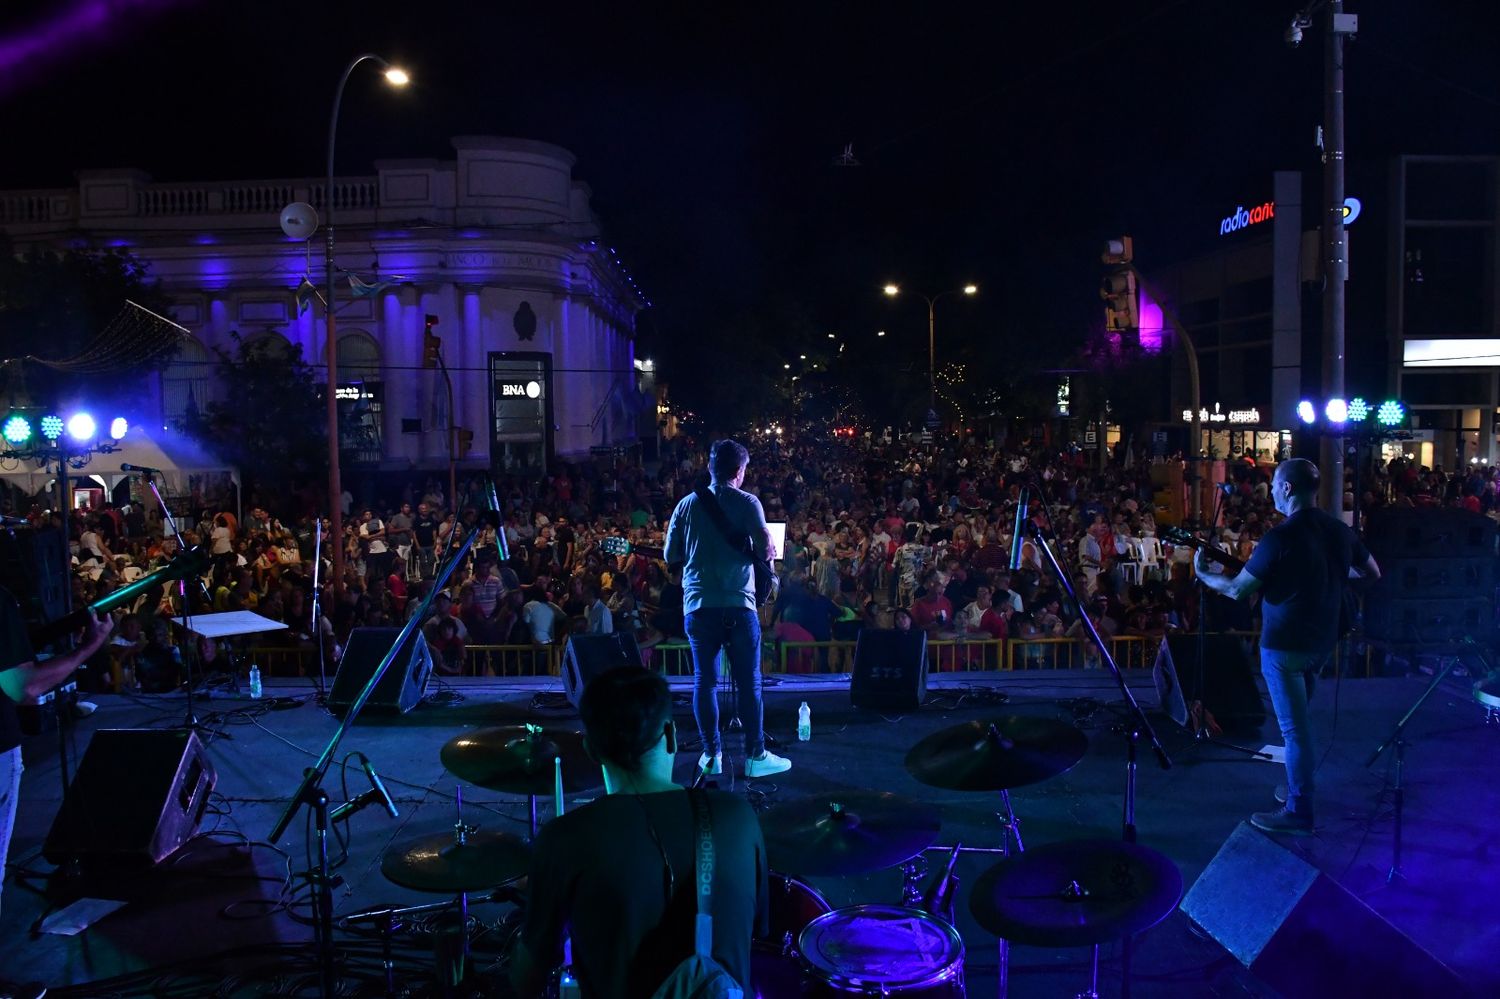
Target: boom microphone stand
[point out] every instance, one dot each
(1137, 726)
(312, 794)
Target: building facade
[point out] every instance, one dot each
(498, 252)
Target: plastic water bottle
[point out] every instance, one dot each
(255, 688)
(804, 723)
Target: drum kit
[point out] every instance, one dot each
(1068, 894)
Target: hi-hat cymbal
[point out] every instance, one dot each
(1076, 894)
(996, 755)
(846, 832)
(439, 863)
(518, 759)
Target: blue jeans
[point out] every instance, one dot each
(1289, 681)
(10, 795)
(736, 631)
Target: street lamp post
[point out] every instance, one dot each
(932, 300)
(397, 78)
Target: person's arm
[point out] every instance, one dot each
(1238, 587)
(27, 681)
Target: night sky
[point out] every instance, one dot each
(999, 143)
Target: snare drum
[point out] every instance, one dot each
(882, 950)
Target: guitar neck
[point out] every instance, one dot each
(1211, 553)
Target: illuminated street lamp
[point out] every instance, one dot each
(970, 290)
(396, 78)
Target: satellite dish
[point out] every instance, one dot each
(299, 220)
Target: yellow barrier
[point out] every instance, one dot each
(944, 655)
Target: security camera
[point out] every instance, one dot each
(1293, 34)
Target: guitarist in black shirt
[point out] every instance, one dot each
(1300, 569)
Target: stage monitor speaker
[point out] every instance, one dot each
(403, 685)
(138, 795)
(586, 656)
(1302, 933)
(890, 670)
(1228, 690)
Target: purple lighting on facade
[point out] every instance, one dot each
(1151, 323)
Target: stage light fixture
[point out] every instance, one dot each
(52, 427)
(17, 429)
(1359, 410)
(82, 428)
(1337, 411)
(1390, 413)
(117, 427)
(1306, 413)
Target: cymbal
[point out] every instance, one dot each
(995, 755)
(1076, 894)
(518, 759)
(846, 832)
(438, 863)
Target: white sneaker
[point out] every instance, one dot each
(718, 764)
(766, 764)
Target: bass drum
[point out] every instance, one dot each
(881, 950)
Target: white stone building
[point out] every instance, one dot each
(535, 312)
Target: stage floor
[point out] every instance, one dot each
(210, 912)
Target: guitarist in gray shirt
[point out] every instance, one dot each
(718, 599)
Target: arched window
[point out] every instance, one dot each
(185, 382)
(271, 342)
(358, 357)
(361, 398)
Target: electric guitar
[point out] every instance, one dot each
(1349, 614)
(622, 546)
(192, 562)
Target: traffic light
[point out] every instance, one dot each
(432, 345)
(1119, 291)
(465, 441)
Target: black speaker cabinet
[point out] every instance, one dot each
(138, 795)
(890, 670)
(402, 686)
(1303, 934)
(586, 656)
(1418, 532)
(1228, 688)
(32, 569)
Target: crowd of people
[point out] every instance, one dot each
(884, 535)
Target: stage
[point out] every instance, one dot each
(210, 912)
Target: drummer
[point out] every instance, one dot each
(617, 874)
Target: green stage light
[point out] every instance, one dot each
(1390, 413)
(52, 427)
(1359, 410)
(17, 429)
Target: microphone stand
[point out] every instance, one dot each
(190, 722)
(1136, 727)
(317, 613)
(312, 794)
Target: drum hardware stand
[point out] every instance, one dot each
(1397, 738)
(1136, 727)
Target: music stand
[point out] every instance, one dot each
(227, 624)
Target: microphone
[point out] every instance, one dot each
(126, 467)
(383, 795)
(1022, 509)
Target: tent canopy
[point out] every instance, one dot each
(175, 454)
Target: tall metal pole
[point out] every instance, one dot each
(1335, 255)
(330, 346)
(932, 354)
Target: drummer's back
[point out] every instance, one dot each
(630, 922)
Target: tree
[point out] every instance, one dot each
(58, 305)
(273, 423)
